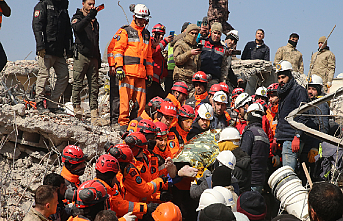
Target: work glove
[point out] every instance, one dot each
(41, 53)
(92, 13)
(120, 74)
(329, 84)
(149, 81)
(274, 147)
(311, 154)
(295, 144)
(276, 161)
(129, 217)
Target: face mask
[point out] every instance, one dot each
(192, 39)
(293, 43)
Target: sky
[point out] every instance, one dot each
(278, 18)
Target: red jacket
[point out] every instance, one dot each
(160, 63)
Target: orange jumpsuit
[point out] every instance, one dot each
(200, 97)
(176, 137)
(271, 115)
(77, 218)
(132, 127)
(176, 103)
(121, 206)
(72, 180)
(131, 49)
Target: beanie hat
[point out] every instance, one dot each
(252, 204)
(184, 26)
(216, 212)
(216, 26)
(322, 39)
(191, 27)
(221, 176)
(285, 217)
(240, 216)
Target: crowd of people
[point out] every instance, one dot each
(138, 179)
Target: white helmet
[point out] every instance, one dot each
(229, 133)
(234, 33)
(205, 111)
(226, 194)
(283, 66)
(315, 79)
(220, 96)
(261, 91)
(242, 99)
(141, 11)
(227, 159)
(208, 197)
(254, 109)
(240, 216)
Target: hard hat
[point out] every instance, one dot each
(200, 76)
(141, 11)
(214, 88)
(261, 91)
(236, 92)
(156, 101)
(315, 79)
(107, 163)
(167, 212)
(283, 66)
(168, 108)
(180, 87)
(242, 99)
(73, 154)
(225, 87)
(220, 96)
(255, 107)
(272, 88)
(159, 28)
(234, 33)
(90, 193)
(208, 197)
(205, 111)
(263, 103)
(229, 133)
(163, 129)
(147, 126)
(186, 111)
(226, 194)
(136, 139)
(227, 159)
(121, 152)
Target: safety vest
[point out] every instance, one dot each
(170, 61)
(131, 49)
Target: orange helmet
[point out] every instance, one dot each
(168, 108)
(167, 212)
(73, 154)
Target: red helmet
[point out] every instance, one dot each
(187, 111)
(163, 129)
(214, 88)
(73, 154)
(90, 193)
(272, 88)
(225, 87)
(107, 163)
(168, 108)
(200, 76)
(136, 139)
(180, 87)
(147, 126)
(159, 28)
(156, 101)
(263, 103)
(253, 97)
(237, 91)
(125, 153)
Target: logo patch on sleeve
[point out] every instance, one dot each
(37, 13)
(74, 21)
(138, 180)
(133, 173)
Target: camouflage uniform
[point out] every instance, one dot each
(218, 11)
(186, 63)
(291, 54)
(324, 66)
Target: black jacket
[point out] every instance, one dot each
(252, 52)
(290, 95)
(51, 27)
(86, 34)
(212, 55)
(242, 171)
(196, 129)
(219, 122)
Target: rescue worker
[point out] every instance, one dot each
(178, 95)
(291, 95)
(187, 56)
(255, 143)
(242, 103)
(291, 54)
(221, 119)
(6, 11)
(74, 166)
(167, 212)
(106, 169)
(214, 89)
(200, 81)
(160, 63)
(261, 93)
(202, 121)
(167, 113)
(87, 58)
(53, 34)
(323, 63)
(234, 95)
(213, 57)
(130, 60)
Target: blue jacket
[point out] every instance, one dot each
(290, 97)
(252, 52)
